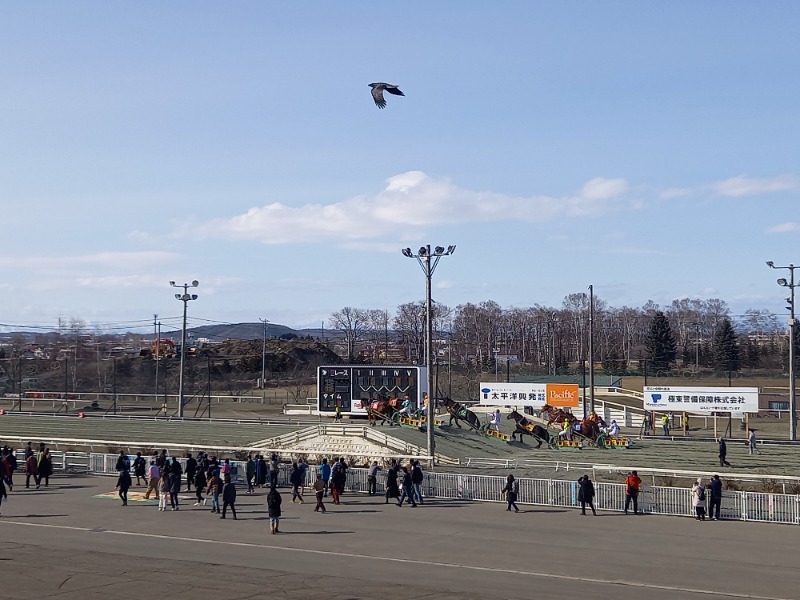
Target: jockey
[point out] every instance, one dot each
(613, 429)
(566, 430)
(424, 410)
(495, 420)
(406, 407)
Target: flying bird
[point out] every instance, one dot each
(378, 89)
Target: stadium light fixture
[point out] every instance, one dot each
(792, 324)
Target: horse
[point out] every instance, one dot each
(458, 412)
(557, 415)
(381, 410)
(524, 426)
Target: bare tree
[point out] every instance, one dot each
(352, 322)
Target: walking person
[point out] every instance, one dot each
(191, 470)
(632, 483)
(407, 489)
(45, 467)
(392, 489)
(124, 483)
(751, 443)
(337, 482)
(140, 469)
(319, 493)
(31, 470)
(163, 490)
(213, 489)
(175, 477)
(154, 474)
(417, 477)
(123, 462)
(372, 478)
(511, 491)
(665, 424)
(699, 499)
(325, 471)
(303, 466)
(250, 473)
(261, 471)
(586, 494)
(723, 452)
(274, 470)
(199, 487)
(296, 479)
(228, 497)
(715, 497)
(274, 509)
(3, 492)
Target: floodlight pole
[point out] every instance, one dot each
(428, 266)
(185, 298)
(792, 324)
(591, 350)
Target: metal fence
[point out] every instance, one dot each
(656, 500)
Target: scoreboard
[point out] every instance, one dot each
(351, 387)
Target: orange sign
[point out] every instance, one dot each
(562, 395)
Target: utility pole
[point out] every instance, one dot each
(157, 336)
(185, 298)
(264, 355)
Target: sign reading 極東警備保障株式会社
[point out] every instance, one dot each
(701, 400)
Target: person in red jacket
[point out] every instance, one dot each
(632, 483)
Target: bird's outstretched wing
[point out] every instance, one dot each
(377, 95)
(393, 89)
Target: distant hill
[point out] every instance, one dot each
(251, 331)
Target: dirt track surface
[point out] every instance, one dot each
(67, 543)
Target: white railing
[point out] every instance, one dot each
(656, 500)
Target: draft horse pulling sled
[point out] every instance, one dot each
(383, 410)
(526, 427)
(459, 412)
(591, 431)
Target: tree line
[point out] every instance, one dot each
(688, 334)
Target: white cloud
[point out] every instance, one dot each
(784, 227)
(410, 200)
(116, 260)
(747, 186)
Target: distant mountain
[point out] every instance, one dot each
(251, 331)
(215, 333)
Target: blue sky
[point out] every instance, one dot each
(649, 149)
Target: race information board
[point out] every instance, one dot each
(351, 387)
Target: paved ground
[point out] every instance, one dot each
(69, 544)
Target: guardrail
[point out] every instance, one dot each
(656, 500)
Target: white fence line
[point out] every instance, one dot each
(656, 500)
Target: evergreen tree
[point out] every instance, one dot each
(660, 344)
(726, 347)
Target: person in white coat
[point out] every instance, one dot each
(699, 499)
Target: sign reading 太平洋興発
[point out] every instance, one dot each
(535, 395)
(701, 400)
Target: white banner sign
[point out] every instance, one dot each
(701, 400)
(534, 395)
